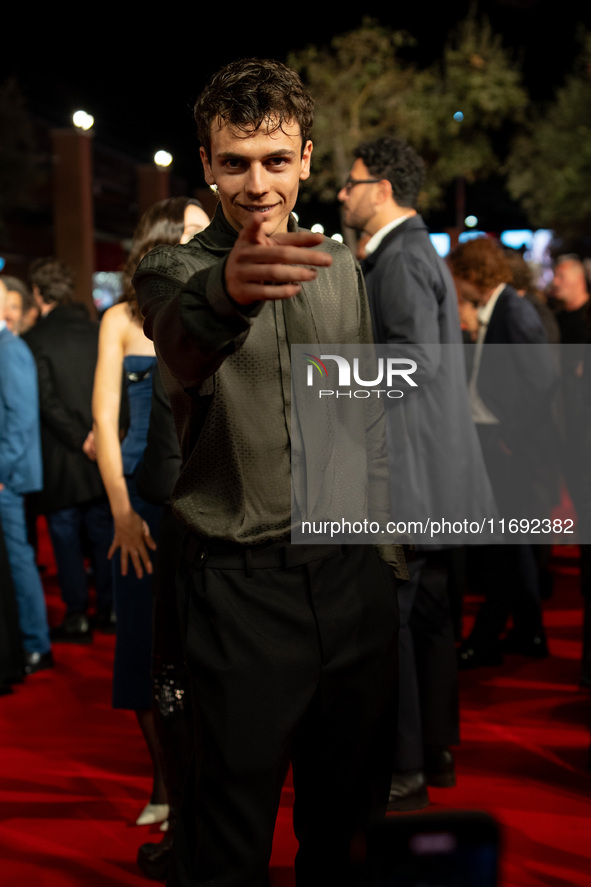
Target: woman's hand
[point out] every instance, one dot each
(132, 536)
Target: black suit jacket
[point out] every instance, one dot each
(65, 346)
(517, 380)
(436, 466)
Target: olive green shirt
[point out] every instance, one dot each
(227, 372)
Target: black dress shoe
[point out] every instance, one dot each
(154, 859)
(534, 645)
(470, 656)
(440, 769)
(37, 662)
(75, 629)
(408, 791)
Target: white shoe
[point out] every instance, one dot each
(153, 813)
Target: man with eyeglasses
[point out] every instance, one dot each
(413, 304)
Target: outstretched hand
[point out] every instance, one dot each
(269, 267)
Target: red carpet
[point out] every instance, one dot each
(74, 773)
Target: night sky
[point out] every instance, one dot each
(140, 79)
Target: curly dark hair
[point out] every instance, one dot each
(162, 223)
(482, 262)
(523, 278)
(394, 159)
(54, 280)
(249, 92)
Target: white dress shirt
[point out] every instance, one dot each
(480, 412)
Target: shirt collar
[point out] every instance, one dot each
(485, 311)
(374, 241)
(2, 325)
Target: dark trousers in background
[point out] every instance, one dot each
(292, 657)
(28, 589)
(509, 578)
(508, 575)
(428, 714)
(67, 529)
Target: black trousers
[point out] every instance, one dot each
(509, 578)
(292, 658)
(508, 575)
(428, 713)
(170, 682)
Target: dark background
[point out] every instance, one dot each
(139, 72)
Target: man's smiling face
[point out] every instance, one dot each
(257, 172)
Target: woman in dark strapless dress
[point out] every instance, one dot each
(132, 685)
(123, 349)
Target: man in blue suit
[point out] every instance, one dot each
(20, 473)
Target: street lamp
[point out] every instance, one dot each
(162, 158)
(83, 120)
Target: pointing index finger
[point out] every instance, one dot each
(252, 231)
(299, 238)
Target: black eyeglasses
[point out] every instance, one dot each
(350, 183)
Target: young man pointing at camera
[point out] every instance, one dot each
(291, 648)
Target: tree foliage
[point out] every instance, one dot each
(357, 82)
(475, 95)
(549, 167)
(366, 84)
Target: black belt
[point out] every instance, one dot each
(281, 555)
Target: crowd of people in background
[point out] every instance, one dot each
(80, 403)
(87, 440)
